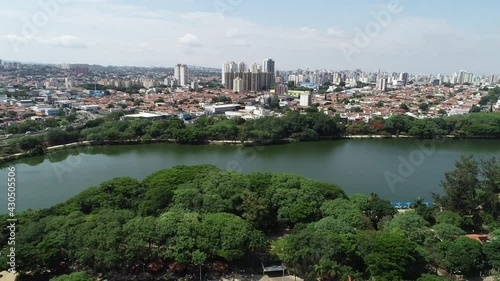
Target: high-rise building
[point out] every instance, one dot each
(268, 66)
(237, 85)
(469, 78)
(228, 67)
(181, 74)
(404, 78)
(242, 67)
(253, 78)
(493, 80)
(194, 85)
(382, 84)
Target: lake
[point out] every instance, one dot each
(396, 169)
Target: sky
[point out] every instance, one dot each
(421, 36)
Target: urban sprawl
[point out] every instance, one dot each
(37, 92)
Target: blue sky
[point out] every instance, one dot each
(416, 36)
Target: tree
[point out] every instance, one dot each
(410, 224)
(462, 255)
(475, 109)
(393, 257)
(460, 186)
(198, 259)
(449, 217)
(344, 210)
(424, 106)
(373, 207)
(28, 143)
(428, 277)
(71, 118)
(444, 231)
(274, 104)
(442, 112)
(76, 276)
(58, 137)
(492, 253)
(315, 253)
(398, 124)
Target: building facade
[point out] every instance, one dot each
(181, 74)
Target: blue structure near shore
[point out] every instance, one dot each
(407, 205)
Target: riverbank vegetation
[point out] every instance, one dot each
(293, 126)
(200, 220)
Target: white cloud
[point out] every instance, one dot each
(14, 38)
(234, 33)
(335, 31)
(240, 42)
(307, 29)
(65, 41)
(190, 40)
(125, 33)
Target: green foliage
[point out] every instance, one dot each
(446, 231)
(316, 253)
(492, 253)
(428, 277)
(59, 137)
(346, 211)
(195, 216)
(160, 186)
(312, 125)
(461, 255)
(29, 143)
(470, 185)
(410, 224)
(373, 207)
(393, 257)
(449, 217)
(120, 193)
(76, 276)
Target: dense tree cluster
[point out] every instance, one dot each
(310, 125)
(203, 219)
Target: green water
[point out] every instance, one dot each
(359, 166)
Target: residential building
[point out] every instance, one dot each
(404, 78)
(181, 74)
(268, 66)
(237, 85)
(305, 99)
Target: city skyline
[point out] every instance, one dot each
(413, 38)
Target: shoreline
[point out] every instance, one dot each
(248, 143)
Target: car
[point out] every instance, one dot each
(28, 133)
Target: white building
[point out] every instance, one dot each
(194, 85)
(181, 74)
(237, 85)
(305, 99)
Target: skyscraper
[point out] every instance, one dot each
(404, 77)
(253, 78)
(181, 74)
(268, 66)
(228, 69)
